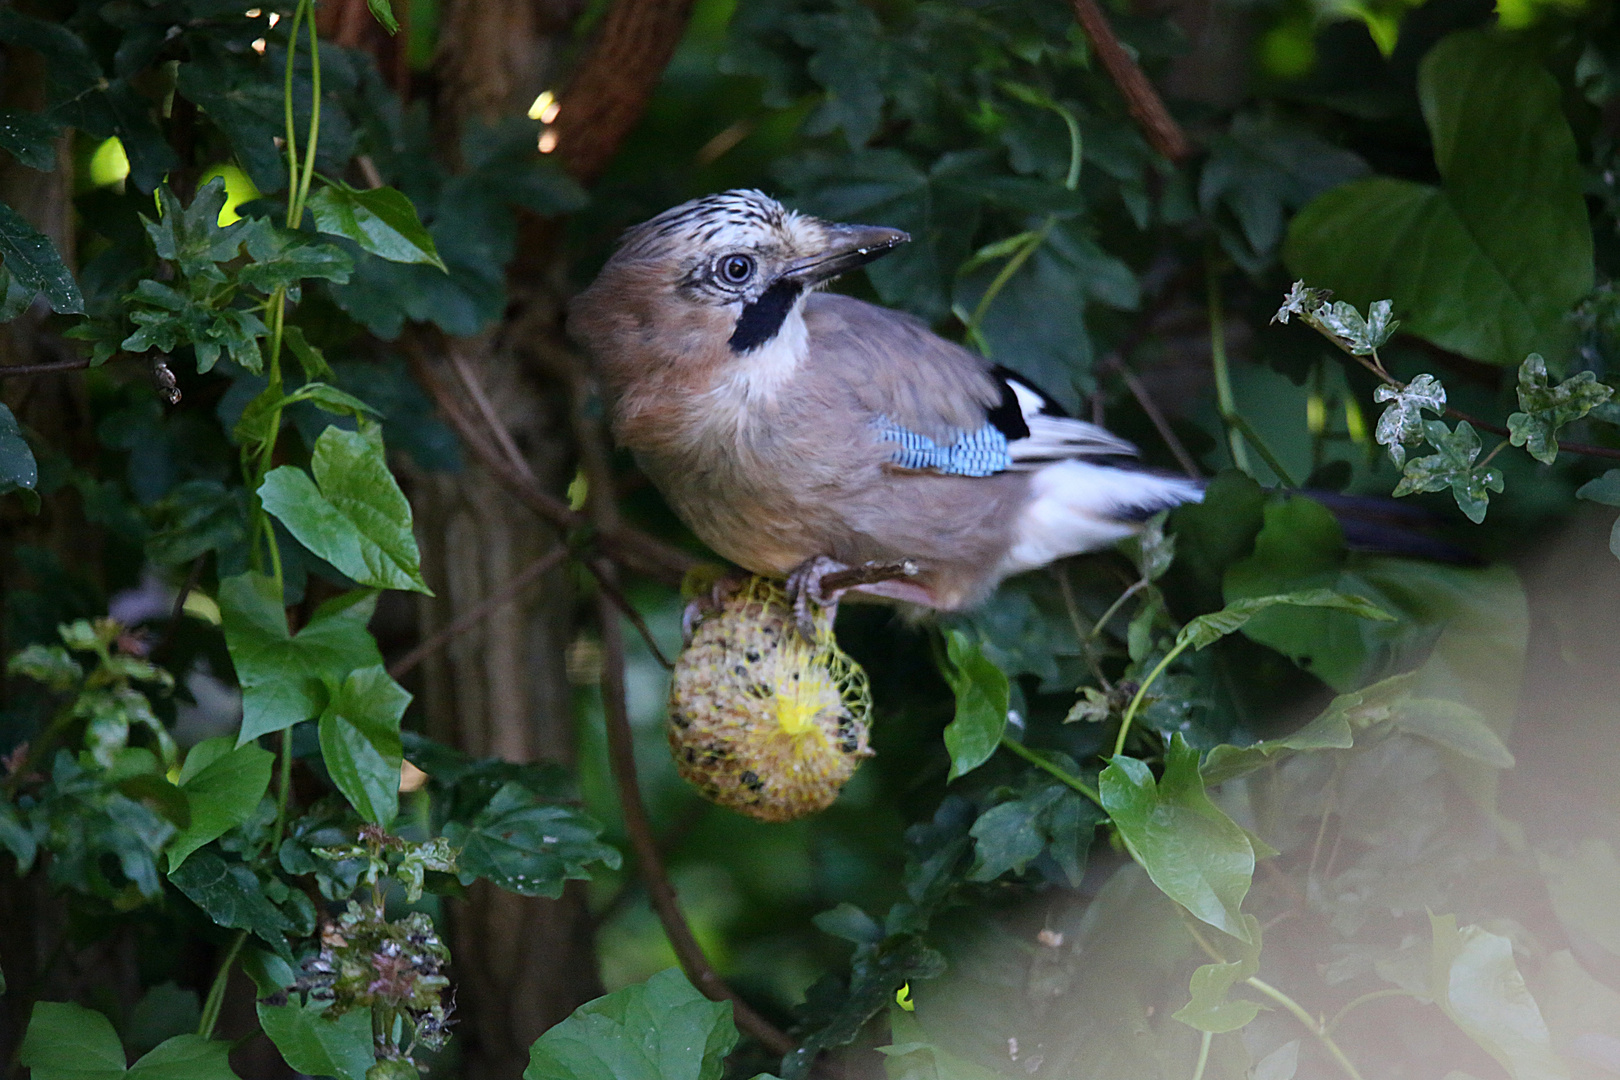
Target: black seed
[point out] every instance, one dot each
(679, 719)
(850, 744)
(752, 655)
(740, 671)
(751, 780)
(691, 755)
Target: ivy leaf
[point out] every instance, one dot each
(223, 786)
(29, 137)
(357, 519)
(233, 896)
(284, 676)
(1474, 980)
(1452, 467)
(1051, 818)
(847, 53)
(185, 1057)
(283, 259)
(166, 319)
(1606, 490)
(310, 358)
(69, 1042)
(1402, 422)
(192, 237)
(1194, 853)
(1205, 630)
(31, 259)
(661, 1029)
(1506, 238)
(1548, 408)
(360, 742)
(196, 517)
(526, 845)
(382, 221)
(18, 470)
(311, 1040)
(1211, 1009)
(982, 695)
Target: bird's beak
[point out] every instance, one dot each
(848, 247)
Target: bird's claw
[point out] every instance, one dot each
(706, 603)
(807, 596)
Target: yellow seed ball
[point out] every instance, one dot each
(760, 720)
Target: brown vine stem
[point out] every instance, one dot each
(12, 370)
(1146, 107)
(468, 619)
(649, 862)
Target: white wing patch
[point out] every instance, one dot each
(1053, 436)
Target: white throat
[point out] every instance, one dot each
(758, 376)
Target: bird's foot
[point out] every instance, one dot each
(708, 601)
(806, 593)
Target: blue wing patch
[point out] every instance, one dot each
(974, 453)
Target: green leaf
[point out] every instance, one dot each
(1210, 1008)
(192, 236)
(661, 1029)
(1453, 467)
(1205, 630)
(185, 1057)
(311, 359)
(223, 787)
(382, 221)
(982, 694)
(32, 259)
(232, 895)
(358, 520)
(526, 845)
(384, 14)
(360, 742)
(1281, 1064)
(284, 677)
(1583, 885)
(1402, 423)
(70, 1042)
(1548, 408)
(1194, 853)
(1506, 242)
(311, 1040)
(29, 137)
(1605, 489)
(18, 470)
(1474, 980)
(284, 259)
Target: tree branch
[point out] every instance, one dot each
(610, 88)
(649, 863)
(1146, 107)
(10, 370)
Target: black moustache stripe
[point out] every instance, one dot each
(761, 319)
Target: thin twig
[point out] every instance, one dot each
(10, 370)
(1155, 414)
(1143, 101)
(493, 426)
(472, 617)
(1585, 449)
(643, 553)
(604, 581)
(622, 758)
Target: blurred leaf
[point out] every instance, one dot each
(358, 520)
(1583, 885)
(1548, 408)
(163, 1011)
(283, 260)
(527, 845)
(911, 1056)
(982, 694)
(1210, 1008)
(192, 237)
(284, 676)
(1506, 241)
(661, 1029)
(1476, 982)
(383, 12)
(382, 221)
(32, 259)
(1453, 467)
(359, 732)
(1194, 853)
(1205, 630)
(185, 1057)
(223, 786)
(1281, 1064)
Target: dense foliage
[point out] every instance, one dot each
(1239, 800)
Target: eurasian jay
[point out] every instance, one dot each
(799, 432)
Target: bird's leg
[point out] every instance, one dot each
(806, 593)
(821, 582)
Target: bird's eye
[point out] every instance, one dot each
(736, 269)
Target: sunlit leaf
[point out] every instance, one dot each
(382, 221)
(982, 694)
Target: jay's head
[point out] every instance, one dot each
(714, 279)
